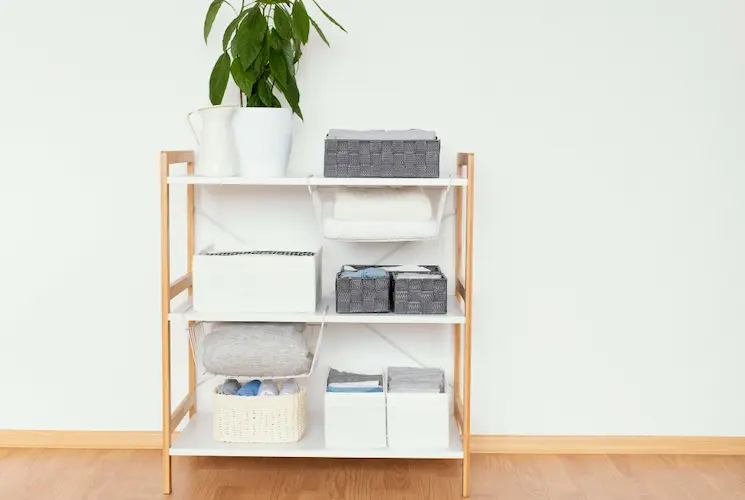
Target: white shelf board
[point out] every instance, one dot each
(454, 316)
(196, 440)
(319, 181)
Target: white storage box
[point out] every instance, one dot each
(257, 281)
(355, 420)
(418, 420)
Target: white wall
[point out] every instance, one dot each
(609, 230)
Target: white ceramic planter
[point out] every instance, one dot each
(263, 138)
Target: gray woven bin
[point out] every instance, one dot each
(363, 295)
(362, 158)
(420, 296)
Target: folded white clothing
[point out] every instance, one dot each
(406, 268)
(361, 383)
(383, 135)
(411, 204)
(290, 386)
(268, 388)
(418, 276)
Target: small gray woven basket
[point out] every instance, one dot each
(363, 295)
(362, 158)
(420, 296)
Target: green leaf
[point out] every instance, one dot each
(292, 94)
(278, 66)
(275, 102)
(275, 41)
(329, 17)
(289, 55)
(244, 79)
(265, 93)
(250, 36)
(298, 47)
(272, 2)
(254, 101)
(301, 19)
(219, 78)
(282, 22)
(231, 29)
(320, 33)
(209, 20)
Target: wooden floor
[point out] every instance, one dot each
(135, 475)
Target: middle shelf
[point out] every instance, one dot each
(327, 308)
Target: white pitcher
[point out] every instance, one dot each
(217, 155)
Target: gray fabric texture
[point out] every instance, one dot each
(339, 377)
(256, 350)
(429, 380)
(382, 135)
(229, 387)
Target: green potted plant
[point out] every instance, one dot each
(262, 47)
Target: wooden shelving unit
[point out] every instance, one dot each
(196, 438)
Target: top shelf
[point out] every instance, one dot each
(320, 181)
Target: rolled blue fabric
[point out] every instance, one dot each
(370, 272)
(250, 388)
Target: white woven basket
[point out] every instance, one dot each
(259, 419)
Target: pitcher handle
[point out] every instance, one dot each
(191, 126)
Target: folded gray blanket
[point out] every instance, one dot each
(382, 135)
(428, 380)
(339, 377)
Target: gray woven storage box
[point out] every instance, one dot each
(363, 295)
(420, 296)
(369, 158)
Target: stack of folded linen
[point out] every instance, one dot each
(428, 380)
(340, 381)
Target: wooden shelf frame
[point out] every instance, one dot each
(464, 187)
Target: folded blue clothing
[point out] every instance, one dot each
(369, 272)
(250, 388)
(354, 389)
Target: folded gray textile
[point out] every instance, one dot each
(256, 350)
(339, 377)
(229, 387)
(428, 380)
(382, 135)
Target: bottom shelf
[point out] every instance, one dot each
(196, 440)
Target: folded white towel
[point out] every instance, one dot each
(411, 204)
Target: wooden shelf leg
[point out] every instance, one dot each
(165, 278)
(467, 340)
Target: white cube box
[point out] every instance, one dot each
(257, 281)
(355, 420)
(418, 420)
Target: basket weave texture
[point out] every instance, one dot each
(420, 296)
(259, 419)
(361, 158)
(363, 295)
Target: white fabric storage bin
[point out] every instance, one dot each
(418, 420)
(355, 420)
(257, 281)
